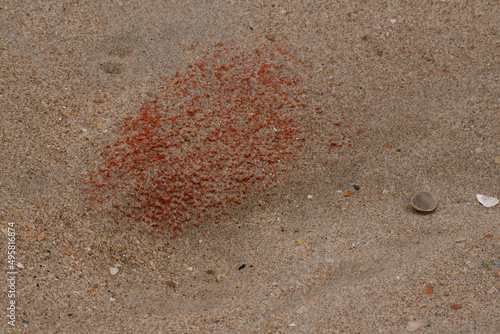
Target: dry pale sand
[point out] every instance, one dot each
(422, 81)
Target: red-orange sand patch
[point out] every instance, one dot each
(222, 128)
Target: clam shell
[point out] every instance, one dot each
(423, 201)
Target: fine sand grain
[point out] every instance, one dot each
(397, 97)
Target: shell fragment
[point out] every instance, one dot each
(487, 201)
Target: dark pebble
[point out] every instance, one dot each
(356, 187)
(241, 267)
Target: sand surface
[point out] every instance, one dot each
(421, 80)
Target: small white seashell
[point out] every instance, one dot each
(20, 265)
(487, 201)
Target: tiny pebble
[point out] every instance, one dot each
(171, 284)
(300, 242)
(190, 268)
(489, 236)
(461, 239)
(413, 326)
(41, 236)
(356, 187)
(291, 325)
(20, 265)
(456, 306)
(309, 196)
(349, 193)
(302, 309)
(393, 21)
(113, 270)
(112, 299)
(241, 267)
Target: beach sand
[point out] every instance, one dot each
(420, 82)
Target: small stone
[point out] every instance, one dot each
(210, 272)
(20, 265)
(113, 270)
(171, 284)
(111, 299)
(456, 306)
(386, 145)
(349, 193)
(300, 242)
(385, 192)
(92, 291)
(4, 231)
(393, 21)
(271, 38)
(413, 326)
(491, 291)
(489, 236)
(461, 239)
(497, 274)
(356, 187)
(41, 236)
(429, 290)
(309, 196)
(497, 159)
